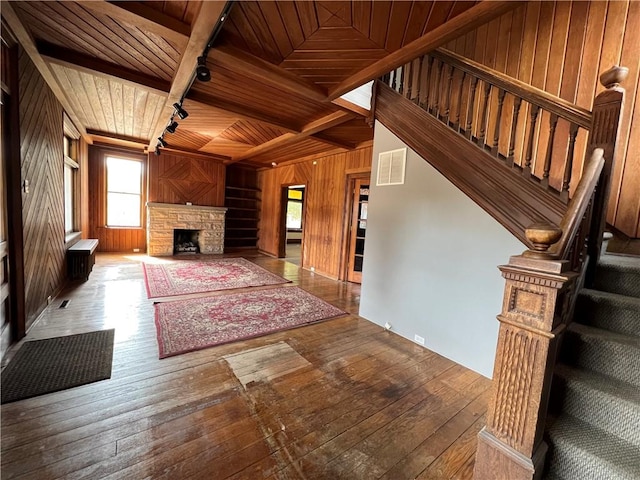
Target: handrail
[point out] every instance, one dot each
(578, 205)
(551, 103)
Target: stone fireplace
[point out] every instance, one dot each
(164, 218)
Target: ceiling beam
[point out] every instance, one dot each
(28, 43)
(477, 15)
(312, 128)
(205, 21)
(95, 66)
(240, 111)
(98, 134)
(346, 104)
(256, 68)
(195, 153)
(324, 138)
(145, 18)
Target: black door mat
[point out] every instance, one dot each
(53, 364)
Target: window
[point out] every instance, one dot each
(70, 184)
(124, 189)
(294, 208)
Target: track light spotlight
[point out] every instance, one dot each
(161, 142)
(202, 71)
(182, 113)
(172, 127)
(157, 150)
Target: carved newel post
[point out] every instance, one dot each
(534, 311)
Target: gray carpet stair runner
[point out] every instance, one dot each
(594, 426)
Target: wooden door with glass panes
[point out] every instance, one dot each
(358, 229)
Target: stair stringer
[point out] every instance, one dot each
(514, 201)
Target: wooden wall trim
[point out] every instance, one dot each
(508, 197)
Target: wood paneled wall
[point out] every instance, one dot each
(41, 152)
(562, 47)
(182, 178)
(325, 203)
(110, 239)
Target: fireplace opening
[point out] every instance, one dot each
(186, 241)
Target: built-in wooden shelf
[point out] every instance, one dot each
(242, 202)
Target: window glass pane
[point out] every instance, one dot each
(294, 214)
(68, 198)
(123, 175)
(123, 210)
(295, 194)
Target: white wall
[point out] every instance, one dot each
(430, 262)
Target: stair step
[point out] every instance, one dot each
(619, 274)
(604, 352)
(580, 451)
(608, 311)
(604, 402)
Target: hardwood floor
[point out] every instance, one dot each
(340, 399)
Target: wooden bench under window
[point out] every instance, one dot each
(81, 257)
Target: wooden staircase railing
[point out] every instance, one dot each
(539, 299)
(522, 126)
(538, 136)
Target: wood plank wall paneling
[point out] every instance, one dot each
(325, 179)
(41, 135)
(184, 178)
(110, 239)
(562, 47)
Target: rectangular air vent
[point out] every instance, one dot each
(391, 167)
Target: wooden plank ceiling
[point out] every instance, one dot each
(272, 67)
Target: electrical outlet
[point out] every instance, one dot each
(387, 326)
(136, 250)
(313, 269)
(49, 300)
(419, 339)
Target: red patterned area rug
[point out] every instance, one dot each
(197, 323)
(182, 277)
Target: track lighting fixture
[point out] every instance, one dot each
(181, 112)
(157, 150)
(202, 71)
(161, 142)
(171, 128)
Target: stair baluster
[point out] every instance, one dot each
(417, 89)
(456, 120)
(472, 100)
(553, 122)
(484, 114)
(568, 166)
(436, 89)
(426, 74)
(517, 101)
(532, 133)
(447, 95)
(496, 135)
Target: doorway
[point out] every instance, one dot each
(12, 319)
(293, 202)
(359, 200)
